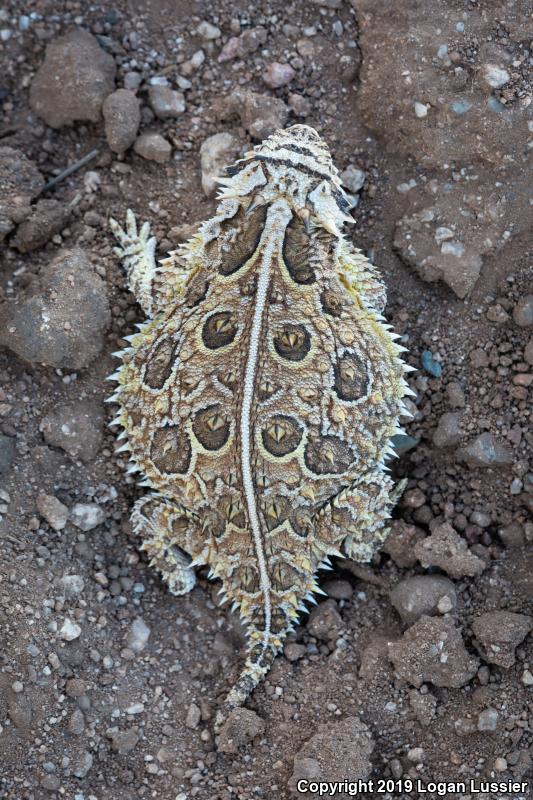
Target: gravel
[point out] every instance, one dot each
(8, 452)
(324, 621)
(277, 75)
(20, 183)
(53, 511)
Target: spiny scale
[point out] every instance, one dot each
(261, 394)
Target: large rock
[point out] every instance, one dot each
(73, 81)
(486, 451)
(338, 751)
(61, 320)
(20, 182)
(427, 595)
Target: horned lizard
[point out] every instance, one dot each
(260, 397)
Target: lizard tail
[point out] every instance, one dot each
(261, 654)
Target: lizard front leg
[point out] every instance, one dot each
(154, 284)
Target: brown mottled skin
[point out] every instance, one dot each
(259, 398)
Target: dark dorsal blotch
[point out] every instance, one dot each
(211, 427)
(160, 363)
(351, 377)
(297, 252)
(292, 342)
(219, 330)
(171, 450)
(332, 302)
(327, 455)
(239, 239)
(195, 290)
(276, 510)
(281, 435)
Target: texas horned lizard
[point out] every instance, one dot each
(260, 397)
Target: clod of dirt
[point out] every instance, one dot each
(448, 430)
(215, 153)
(486, 451)
(122, 115)
(20, 182)
(401, 541)
(423, 595)
(260, 114)
(47, 218)
(498, 633)
(240, 728)
(73, 81)
(324, 621)
(338, 750)
(62, 318)
(75, 427)
(153, 147)
(449, 551)
(433, 651)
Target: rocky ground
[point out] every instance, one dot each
(419, 665)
